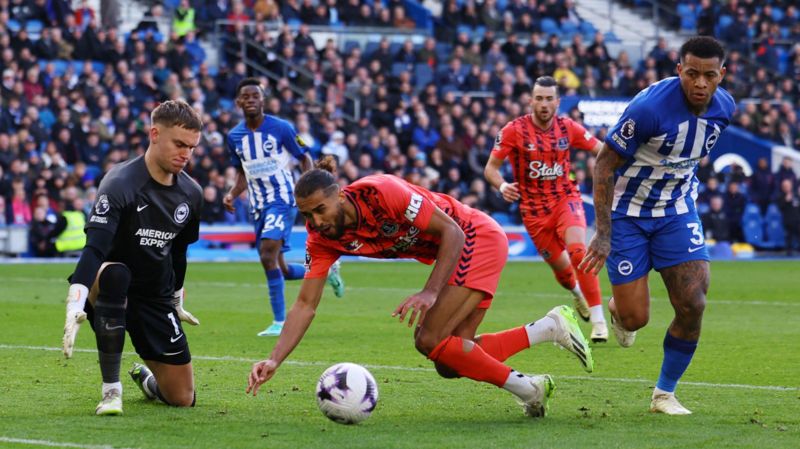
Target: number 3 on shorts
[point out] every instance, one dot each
(697, 234)
(273, 221)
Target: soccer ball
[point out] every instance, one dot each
(347, 393)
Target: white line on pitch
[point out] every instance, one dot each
(712, 301)
(54, 443)
(421, 369)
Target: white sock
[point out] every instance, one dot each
(112, 386)
(541, 330)
(519, 385)
(657, 391)
(597, 314)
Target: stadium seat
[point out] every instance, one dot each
(777, 14)
(400, 67)
(349, 46)
(721, 250)
(550, 26)
(423, 74)
(34, 29)
(773, 224)
(13, 25)
(753, 226)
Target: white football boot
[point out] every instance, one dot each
(625, 338)
(599, 332)
(111, 404)
(537, 406)
(667, 404)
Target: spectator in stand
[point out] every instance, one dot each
(789, 205)
(762, 185)
(786, 171)
(715, 222)
(735, 203)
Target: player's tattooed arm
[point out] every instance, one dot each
(608, 161)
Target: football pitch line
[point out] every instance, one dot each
(401, 291)
(420, 369)
(54, 443)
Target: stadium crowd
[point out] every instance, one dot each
(76, 98)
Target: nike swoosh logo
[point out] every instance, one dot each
(141, 208)
(172, 353)
(174, 339)
(114, 328)
(691, 250)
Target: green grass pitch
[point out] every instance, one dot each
(742, 385)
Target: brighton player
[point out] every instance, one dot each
(645, 187)
(384, 217)
(131, 272)
(262, 148)
(537, 146)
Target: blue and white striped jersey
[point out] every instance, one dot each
(663, 141)
(265, 156)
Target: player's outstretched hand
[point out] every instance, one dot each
(510, 191)
(227, 201)
(262, 371)
(418, 304)
(71, 326)
(183, 314)
(596, 254)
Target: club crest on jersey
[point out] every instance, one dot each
(102, 206)
(353, 246)
(268, 145)
(563, 143)
(181, 213)
(389, 229)
(628, 128)
(499, 138)
(712, 139)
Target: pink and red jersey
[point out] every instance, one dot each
(392, 217)
(540, 160)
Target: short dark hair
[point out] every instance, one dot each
(703, 47)
(250, 81)
(176, 113)
(321, 177)
(545, 81)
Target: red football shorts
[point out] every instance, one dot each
(482, 260)
(548, 232)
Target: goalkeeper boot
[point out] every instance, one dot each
(141, 375)
(111, 404)
(568, 334)
(537, 406)
(335, 279)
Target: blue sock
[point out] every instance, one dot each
(295, 271)
(677, 356)
(275, 284)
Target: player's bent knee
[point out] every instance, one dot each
(691, 308)
(634, 321)
(184, 398)
(426, 341)
(445, 371)
(114, 280)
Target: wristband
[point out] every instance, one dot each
(502, 187)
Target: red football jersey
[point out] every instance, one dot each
(392, 215)
(540, 160)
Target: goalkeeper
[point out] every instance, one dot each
(130, 274)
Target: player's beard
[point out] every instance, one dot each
(543, 116)
(337, 230)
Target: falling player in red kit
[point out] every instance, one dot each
(384, 217)
(537, 146)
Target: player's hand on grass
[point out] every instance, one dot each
(418, 304)
(262, 371)
(596, 254)
(510, 191)
(183, 314)
(227, 201)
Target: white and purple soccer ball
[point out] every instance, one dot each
(347, 393)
